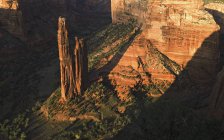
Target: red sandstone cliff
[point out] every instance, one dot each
(180, 30)
(183, 33)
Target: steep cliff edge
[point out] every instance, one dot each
(180, 30)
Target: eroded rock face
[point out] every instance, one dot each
(186, 34)
(180, 29)
(141, 63)
(73, 64)
(179, 39)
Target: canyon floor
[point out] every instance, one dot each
(117, 104)
(100, 114)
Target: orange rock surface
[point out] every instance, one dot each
(176, 35)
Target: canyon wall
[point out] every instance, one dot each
(36, 20)
(178, 49)
(11, 18)
(187, 34)
(180, 29)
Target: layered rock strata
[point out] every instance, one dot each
(73, 64)
(179, 28)
(182, 30)
(141, 63)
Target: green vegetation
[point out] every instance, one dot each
(113, 36)
(217, 1)
(100, 104)
(14, 129)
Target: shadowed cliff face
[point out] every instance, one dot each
(29, 65)
(40, 17)
(216, 106)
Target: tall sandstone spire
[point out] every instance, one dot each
(73, 66)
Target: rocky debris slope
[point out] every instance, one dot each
(141, 63)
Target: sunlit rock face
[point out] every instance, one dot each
(11, 18)
(141, 63)
(73, 63)
(180, 29)
(187, 34)
(9, 4)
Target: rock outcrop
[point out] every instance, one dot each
(11, 18)
(73, 65)
(9, 4)
(81, 65)
(67, 68)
